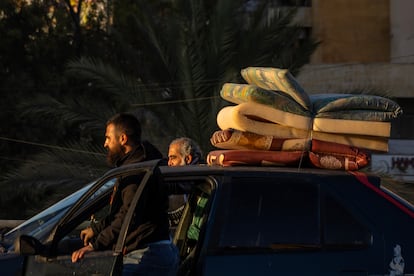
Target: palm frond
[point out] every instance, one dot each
(66, 110)
(50, 175)
(166, 64)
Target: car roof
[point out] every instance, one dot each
(204, 169)
(207, 169)
(306, 175)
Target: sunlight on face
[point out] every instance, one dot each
(113, 145)
(175, 158)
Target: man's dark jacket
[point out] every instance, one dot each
(150, 221)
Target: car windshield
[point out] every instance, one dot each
(41, 224)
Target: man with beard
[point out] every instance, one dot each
(149, 234)
(181, 152)
(184, 151)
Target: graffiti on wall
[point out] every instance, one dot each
(398, 166)
(402, 163)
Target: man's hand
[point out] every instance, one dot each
(86, 235)
(78, 254)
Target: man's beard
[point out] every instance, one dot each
(114, 155)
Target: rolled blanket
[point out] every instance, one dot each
(235, 139)
(336, 156)
(254, 157)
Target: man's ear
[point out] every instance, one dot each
(123, 139)
(188, 159)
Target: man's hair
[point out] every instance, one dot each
(128, 124)
(189, 147)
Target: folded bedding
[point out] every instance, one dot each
(254, 157)
(236, 139)
(334, 156)
(279, 80)
(274, 121)
(261, 119)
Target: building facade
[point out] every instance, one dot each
(365, 45)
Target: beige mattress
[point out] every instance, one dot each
(259, 119)
(373, 143)
(264, 120)
(239, 118)
(371, 128)
(261, 112)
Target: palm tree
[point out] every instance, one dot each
(166, 63)
(182, 58)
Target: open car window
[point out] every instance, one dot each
(190, 232)
(41, 224)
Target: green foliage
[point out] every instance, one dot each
(164, 61)
(37, 40)
(180, 53)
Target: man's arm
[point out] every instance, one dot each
(107, 237)
(78, 254)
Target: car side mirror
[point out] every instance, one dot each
(27, 245)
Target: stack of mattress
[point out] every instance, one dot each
(274, 121)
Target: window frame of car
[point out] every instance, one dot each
(209, 181)
(214, 247)
(77, 212)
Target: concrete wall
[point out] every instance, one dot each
(366, 45)
(402, 31)
(351, 31)
(394, 79)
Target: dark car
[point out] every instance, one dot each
(237, 221)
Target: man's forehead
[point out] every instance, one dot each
(110, 128)
(173, 149)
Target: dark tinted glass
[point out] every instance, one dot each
(267, 212)
(341, 228)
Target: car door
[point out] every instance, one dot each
(63, 242)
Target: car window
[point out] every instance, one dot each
(104, 189)
(93, 209)
(341, 228)
(40, 225)
(287, 214)
(265, 213)
(190, 232)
